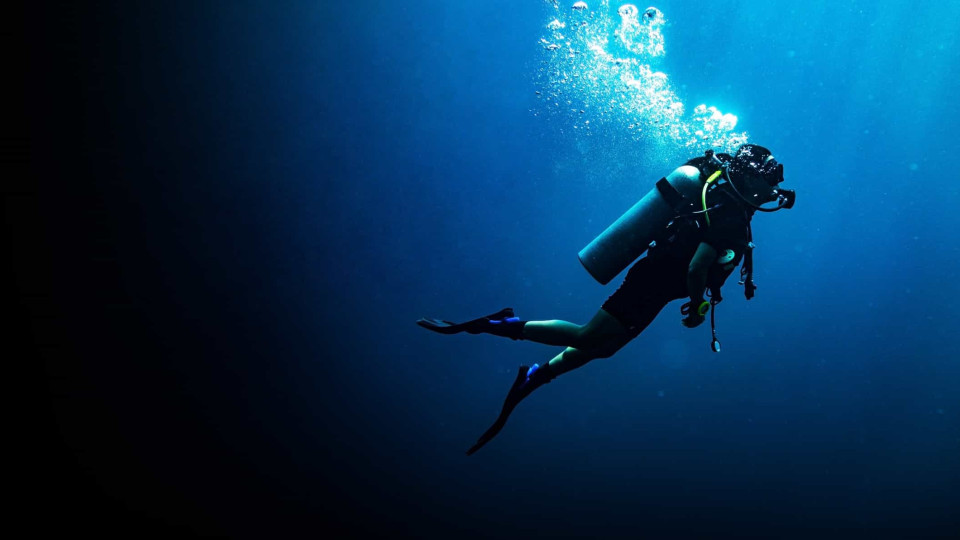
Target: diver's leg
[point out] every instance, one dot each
(503, 323)
(553, 332)
(602, 328)
(571, 359)
(606, 335)
(602, 337)
(609, 343)
(530, 378)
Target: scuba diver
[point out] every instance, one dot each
(695, 227)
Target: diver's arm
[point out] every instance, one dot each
(697, 272)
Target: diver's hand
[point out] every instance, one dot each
(693, 320)
(694, 317)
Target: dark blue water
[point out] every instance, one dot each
(243, 208)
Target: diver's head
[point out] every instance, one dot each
(753, 162)
(755, 174)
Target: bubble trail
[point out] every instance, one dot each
(597, 71)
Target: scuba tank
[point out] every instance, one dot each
(630, 235)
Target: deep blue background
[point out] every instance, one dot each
(237, 211)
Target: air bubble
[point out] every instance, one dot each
(606, 71)
(628, 11)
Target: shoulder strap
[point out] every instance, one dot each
(669, 193)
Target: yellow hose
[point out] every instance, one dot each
(703, 196)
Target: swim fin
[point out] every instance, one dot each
(502, 323)
(526, 382)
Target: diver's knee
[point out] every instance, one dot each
(610, 347)
(589, 355)
(586, 340)
(589, 339)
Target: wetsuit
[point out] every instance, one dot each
(661, 276)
